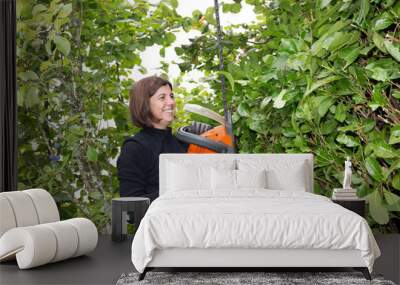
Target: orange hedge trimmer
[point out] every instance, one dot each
(202, 137)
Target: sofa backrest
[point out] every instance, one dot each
(285, 171)
(26, 208)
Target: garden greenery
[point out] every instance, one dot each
(306, 76)
(73, 62)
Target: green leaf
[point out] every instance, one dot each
(324, 106)
(279, 101)
(384, 151)
(396, 9)
(75, 129)
(268, 76)
(18, 7)
(268, 59)
(48, 47)
(388, 3)
(368, 125)
(363, 12)
(169, 38)
(394, 207)
(378, 212)
(288, 45)
(235, 70)
(328, 127)
(174, 3)
(368, 149)
(96, 195)
(31, 95)
(395, 165)
(396, 182)
(236, 8)
(91, 154)
(320, 83)
(288, 132)
(348, 140)
(394, 135)
(394, 50)
(28, 75)
(210, 15)
(338, 26)
(341, 112)
(383, 69)
(20, 98)
(298, 61)
(366, 50)
(351, 127)
(336, 41)
(349, 54)
(391, 198)
(38, 8)
(382, 22)
(243, 110)
(65, 11)
(323, 3)
(379, 42)
(255, 125)
(162, 52)
(396, 94)
(231, 8)
(229, 77)
(374, 169)
(378, 99)
(265, 102)
(62, 44)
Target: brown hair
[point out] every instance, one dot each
(139, 103)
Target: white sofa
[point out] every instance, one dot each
(279, 222)
(31, 231)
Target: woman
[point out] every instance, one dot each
(152, 106)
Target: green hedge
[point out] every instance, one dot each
(319, 77)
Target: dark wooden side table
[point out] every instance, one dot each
(357, 206)
(120, 209)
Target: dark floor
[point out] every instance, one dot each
(110, 259)
(102, 266)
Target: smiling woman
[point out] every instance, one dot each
(152, 107)
(162, 107)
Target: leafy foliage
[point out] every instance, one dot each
(307, 76)
(320, 77)
(73, 59)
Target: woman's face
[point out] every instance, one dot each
(162, 107)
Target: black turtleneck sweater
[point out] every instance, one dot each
(137, 165)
